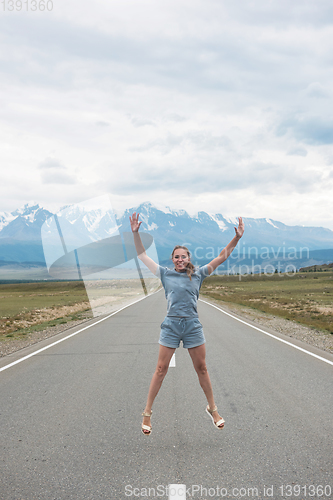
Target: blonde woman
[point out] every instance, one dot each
(182, 287)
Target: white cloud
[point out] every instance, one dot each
(316, 130)
(298, 151)
(204, 104)
(57, 178)
(316, 90)
(51, 163)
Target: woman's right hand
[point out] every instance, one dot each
(135, 224)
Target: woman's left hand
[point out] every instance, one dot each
(240, 229)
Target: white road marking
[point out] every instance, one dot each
(173, 360)
(177, 492)
(274, 337)
(68, 336)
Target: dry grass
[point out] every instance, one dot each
(29, 307)
(303, 297)
(26, 307)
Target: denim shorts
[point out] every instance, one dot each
(174, 329)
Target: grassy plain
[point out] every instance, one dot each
(28, 307)
(305, 297)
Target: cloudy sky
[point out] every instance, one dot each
(217, 105)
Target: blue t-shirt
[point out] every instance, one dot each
(181, 292)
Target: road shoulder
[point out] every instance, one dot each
(316, 341)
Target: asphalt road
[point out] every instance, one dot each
(70, 416)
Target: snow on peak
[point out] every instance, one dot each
(30, 204)
(270, 222)
(232, 220)
(27, 212)
(180, 212)
(27, 209)
(5, 219)
(31, 216)
(220, 223)
(163, 208)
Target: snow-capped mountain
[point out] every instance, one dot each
(205, 234)
(207, 231)
(23, 224)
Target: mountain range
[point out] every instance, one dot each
(205, 234)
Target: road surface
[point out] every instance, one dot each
(71, 416)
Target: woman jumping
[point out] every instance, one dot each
(182, 287)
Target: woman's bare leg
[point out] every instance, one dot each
(164, 357)
(198, 355)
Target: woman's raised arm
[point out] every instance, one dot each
(228, 249)
(135, 225)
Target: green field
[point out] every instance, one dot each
(19, 297)
(32, 306)
(28, 307)
(305, 297)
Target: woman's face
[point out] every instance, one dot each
(180, 259)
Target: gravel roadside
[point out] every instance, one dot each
(292, 329)
(9, 346)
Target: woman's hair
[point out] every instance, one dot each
(189, 267)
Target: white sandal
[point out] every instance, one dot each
(146, 427)
(216, 424)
